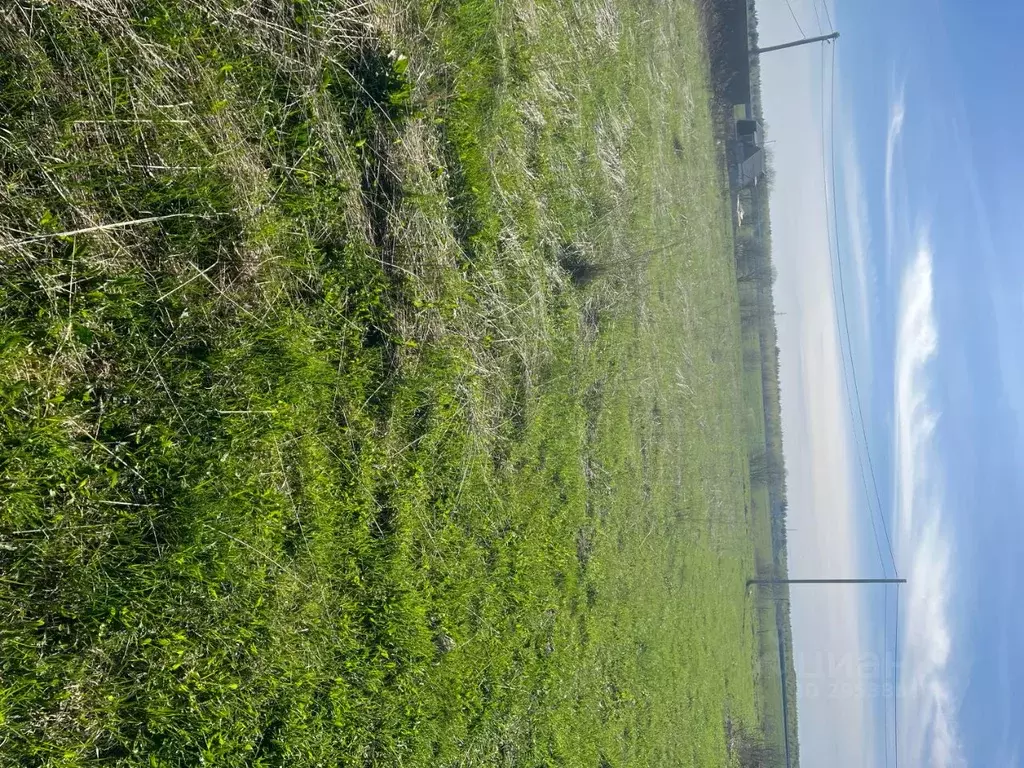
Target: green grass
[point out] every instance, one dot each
(313, 452)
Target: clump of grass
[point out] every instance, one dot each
(579, 265)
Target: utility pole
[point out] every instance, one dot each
(752, 582)
(805, 41)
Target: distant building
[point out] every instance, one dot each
(750, 166)
(749, 132)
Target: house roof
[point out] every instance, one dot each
(751, 168)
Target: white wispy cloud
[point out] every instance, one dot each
(916, 344)
(897, 111)
(929, 705)
(1009, 746)
(855, 199)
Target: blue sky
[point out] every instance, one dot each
(927, 114)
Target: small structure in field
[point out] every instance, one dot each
(748, 160)
(750, 168)
(749, 132)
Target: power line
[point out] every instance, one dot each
(817, 16)
(896, 684)
(839, 302)
(828, 15)
(795, 19)
(885, 637)
(846, 323)
(835, 307)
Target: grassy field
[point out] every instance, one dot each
(371, 388)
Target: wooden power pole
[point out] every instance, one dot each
(795, 43)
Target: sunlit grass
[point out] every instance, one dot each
(314, 452)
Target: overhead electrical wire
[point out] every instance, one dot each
(817, 16)
(850, 374)
(828, 15)
(896, 684)
(795, 19)
(846, 325)
(836, 306)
